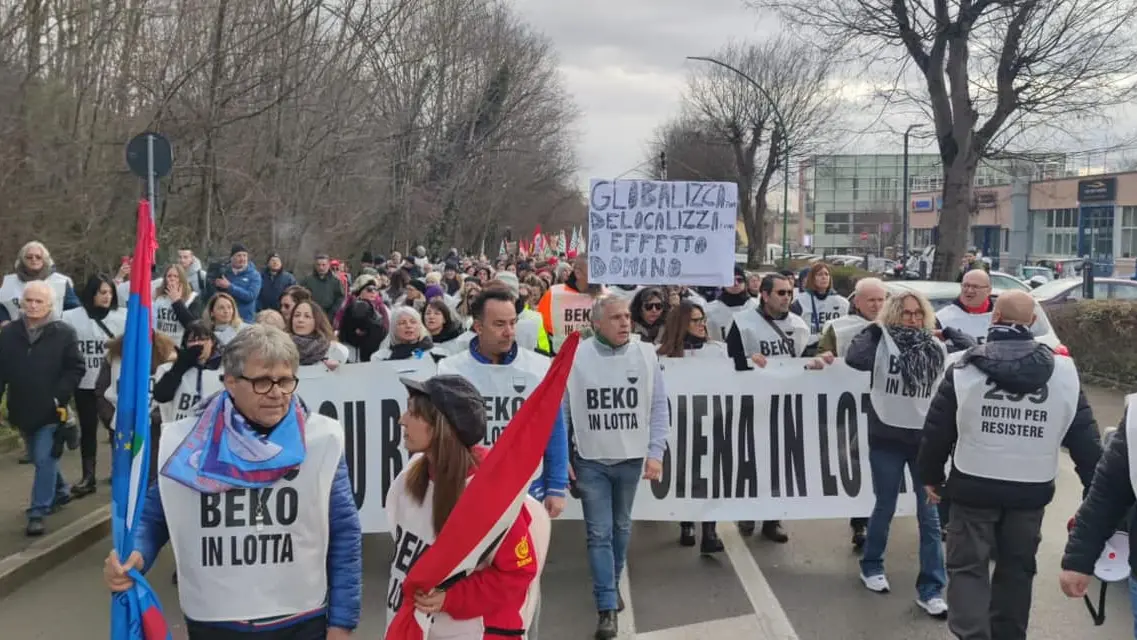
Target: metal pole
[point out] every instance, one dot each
(907, 205)
(786, 205)
(663, 165)
(151, 190)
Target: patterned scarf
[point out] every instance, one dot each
(223, 452)
(313, 348)
(920, 358)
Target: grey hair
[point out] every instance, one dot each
(268, 343)
(601, 303)
(35, 244)
(42, 287)
(397, 314)
(865, 283)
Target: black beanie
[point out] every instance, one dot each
(238, 248)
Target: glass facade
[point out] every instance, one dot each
(1055, 233)
(1129, 232)
(847, 196)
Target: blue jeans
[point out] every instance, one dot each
(1133, 602)
(606, 496)
(887, 474)
(48, 481)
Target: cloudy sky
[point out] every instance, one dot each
(623, 62)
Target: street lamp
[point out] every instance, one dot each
(785, 141)
(907, 205)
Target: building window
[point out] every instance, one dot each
(1128, 232)
(1056, 232)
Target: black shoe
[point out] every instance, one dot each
(711, 542)
(84, 487)
(606, 626)
(686, 534)
(859, 537)
(746, 527)
(35, 527)
(25, 459)
(619, 603)
(61, 500)
(772, 531)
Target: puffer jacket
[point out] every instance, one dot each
(1018, 364)
(1109, 499)
(345, 547)
(862, 357)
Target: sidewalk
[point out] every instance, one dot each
(66, 528)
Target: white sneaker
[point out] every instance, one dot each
(876, 584)
(935, 607)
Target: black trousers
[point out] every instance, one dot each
(985, 605)
(314, 629)
(88, 414)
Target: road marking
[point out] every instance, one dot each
(772, 620)
(740, 627)
(627, 619)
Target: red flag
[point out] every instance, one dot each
(498, 486)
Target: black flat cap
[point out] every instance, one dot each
(458, 401)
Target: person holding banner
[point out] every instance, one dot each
(505, 375)
(1002, 413)
(734, 298)
(618, 415)
(565, 307)
(818, 303)
(905, 359)
(771, 330)
(685, 335)
(254, 497)
(443, 428)
(868, 299)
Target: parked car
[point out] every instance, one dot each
(941, 294)
(1059, 292)
(1007, 282)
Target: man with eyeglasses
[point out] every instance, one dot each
(720, 312)
(253, 495)
(971, 311)
(769, 331)
(34, 264)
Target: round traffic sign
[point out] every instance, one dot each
(138, 149)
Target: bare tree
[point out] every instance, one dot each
(989, 69)
(728, 110)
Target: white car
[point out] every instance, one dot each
(941, 294)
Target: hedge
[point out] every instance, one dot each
(1101, 336)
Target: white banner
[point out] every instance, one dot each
(796, 449)
(652, 232)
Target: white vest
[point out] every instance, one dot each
(569, 311)
(1131, 437)
(195, 385)
(817, 312)
(12, 289)
(1012, 437)
(166, 321)
(712, 349)
(504, 388)
(845, 329)
(610, 400)
(720, 317)
(973, 324)
(891, 402)
(238, 562)
(93, 340)
(759, 337)
(528, 330)
(225, 333)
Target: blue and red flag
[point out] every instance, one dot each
(136, 614)
(493, 498)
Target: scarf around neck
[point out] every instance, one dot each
(313, 348)
(920, 358)
(224, 452)
(26, 275)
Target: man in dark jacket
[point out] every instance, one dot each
(1002, 412)
(242, 281)
(326, 288)
(274, 282)
(40, 367)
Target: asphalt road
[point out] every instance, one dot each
(810, 584)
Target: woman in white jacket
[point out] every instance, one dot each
(175, 305)
(685, 336)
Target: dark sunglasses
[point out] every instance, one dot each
(370, 288)
(783, 292)
(653, 306)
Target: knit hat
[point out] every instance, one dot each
(272, 255)
(366, 258)
(458, 401)
(510, 280)
(739, 272)
(420, 285)
(362, 283)
(433, 291)
(238, 248)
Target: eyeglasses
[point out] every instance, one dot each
(783, 292)
(699, 320)
(739, 279)
(912, 315)
(975, 287)
(263, 386)
(370, 288)
(653, 306)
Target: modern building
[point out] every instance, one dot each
(1027, 221)
(853, 203)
